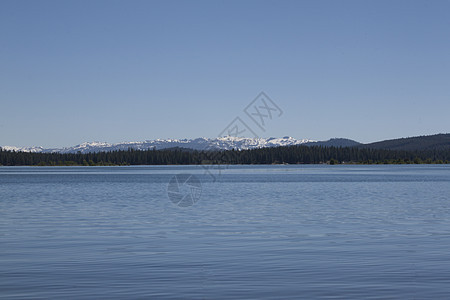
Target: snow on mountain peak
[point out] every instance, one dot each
(219, 143)
(22, 149)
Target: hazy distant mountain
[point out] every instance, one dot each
(335, 142)
(428, 142)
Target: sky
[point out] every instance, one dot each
(114, 71)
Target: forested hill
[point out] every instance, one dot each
(428, 142)
(277, 155)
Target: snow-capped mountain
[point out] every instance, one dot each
(23, 149)
(219, 143)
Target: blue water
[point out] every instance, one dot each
(254, 232)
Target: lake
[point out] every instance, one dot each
(244, 232)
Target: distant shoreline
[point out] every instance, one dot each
(291, 155)
(300, 164)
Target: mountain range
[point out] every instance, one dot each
(219, 143)
(438, 141)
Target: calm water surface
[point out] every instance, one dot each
(257, 232)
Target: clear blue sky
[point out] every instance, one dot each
(76, 71)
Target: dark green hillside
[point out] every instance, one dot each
(429, 142)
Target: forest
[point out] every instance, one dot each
(276, 155)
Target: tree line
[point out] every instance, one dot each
(276, 155)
